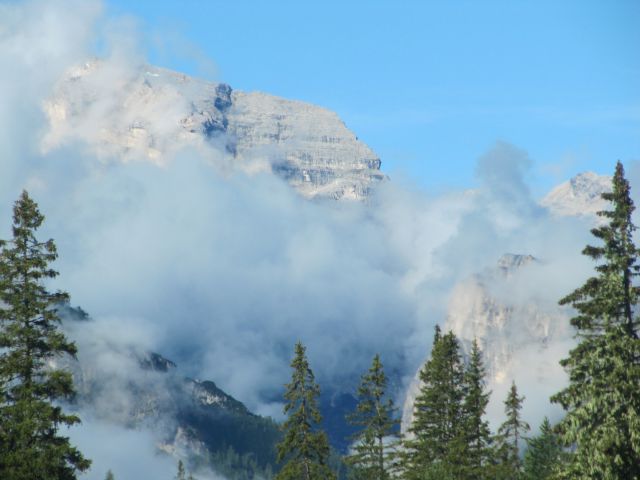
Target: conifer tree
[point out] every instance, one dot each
(30, 339)
(182, 473)
(602, 424)
(543, 454)
(477, 441)
(375, 417)
(109, 475)
(510, 435)
(437, 425)
(304, 448)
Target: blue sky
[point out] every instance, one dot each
(429, 85)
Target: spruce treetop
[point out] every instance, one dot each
(438, 414)
(371, 457)
(304, 450)
(608, 297)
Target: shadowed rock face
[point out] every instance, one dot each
(134, 388)
(150, 113)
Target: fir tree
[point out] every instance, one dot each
(437, 442)
(181, 474)
(602, 424)
(30, 446)
(375, 417)
(543, 454)
(475, 428)
(304, 448)
(510, 435)
(109, 475)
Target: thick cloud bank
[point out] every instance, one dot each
(224, 271)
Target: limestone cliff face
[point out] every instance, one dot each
(481, 308)
(150, 113)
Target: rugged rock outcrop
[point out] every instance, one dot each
(151, 113)
(579, 196)
(481, 308)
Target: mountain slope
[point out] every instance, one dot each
(192, 419)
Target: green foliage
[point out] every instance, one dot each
(30, 446)
(182, 472)
(543, 454)
(235, 437)
(602, 425)
(475, 429)
(109, 475)
(305, 448)
(235, 466)
(375, 416)
(509, 438)
(438, 421)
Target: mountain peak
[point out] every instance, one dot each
(149, 113)
(511, 261)
(579, 196)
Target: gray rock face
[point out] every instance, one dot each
(478, 309)
(579, 196)
(481, 307)
(151, 113)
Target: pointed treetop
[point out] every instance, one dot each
(26, 213)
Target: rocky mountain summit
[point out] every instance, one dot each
(151, 113)
(579, 196)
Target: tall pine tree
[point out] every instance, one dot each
(477, 435)
(374, 416)
(437, 440)
(510, 436)
(602, 424)
(30, 444)
(304, 448)
(181, 474)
